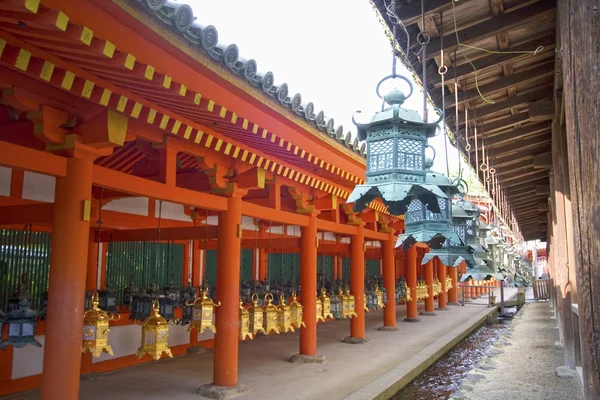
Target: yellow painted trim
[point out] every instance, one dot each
(109, 49)
(164, 121)
(137, 109)
(47, 71)
(122, 103)
(279, 169)
(309, 158)
(176, 127)
(86, 35)
(255, 129)
(32, 5)
(244, 155)
(260, 161)
(245, 124)
(302, 154)
(198, 138)
(129, 61)
(303, 178)
(267, 163)
(273, 166)
(296, 150)
(182, 90)
(219, 144)
(88, 87)
(285, 171)
(151, 116)
(252, 157)
(62, 21)
(234, 118)
(209, 140)
(2, 46)
(22, 61)
(223, 112)
(167, 82)
(105, 98)
(273, 137)
(227, 149)
(264, 133)
(281, 142)
(197, 98)
(289, 146)
(210, 106)
(236, 152)
(188, 132)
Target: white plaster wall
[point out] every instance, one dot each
(212, 220)
(178, 335)
(28, 360)
(124, 341)
(129, 205)
(248, 223)
(38, 187)
(5, 178)
(171, 211)
(294, 230)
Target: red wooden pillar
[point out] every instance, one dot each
(429, 282)
(453, 292)
(225, 372)
(441, 272)
(308, 293)
(411, 282)
(389, 282)
(357, 285)
(70, 242)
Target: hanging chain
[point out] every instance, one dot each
(442, 71)
(423, 39)
(456, 124)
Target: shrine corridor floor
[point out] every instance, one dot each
(384, 364)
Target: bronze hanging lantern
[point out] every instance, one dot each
(204, 308)
(108, 300)
(351, 303)
(22, 321)
(95, 329)
(141, 306)
(186, 298)
(336, 304)
(345, 299)
(296, 313)
(271, 318)
(244, 323)
(326, 301)
(396, 141)
(256, 314)
(155, 335)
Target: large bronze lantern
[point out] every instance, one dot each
(396, 142)
(204, 308)
(296, 313)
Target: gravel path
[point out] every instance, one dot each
(522, 364)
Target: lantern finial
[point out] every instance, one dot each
(95, 329)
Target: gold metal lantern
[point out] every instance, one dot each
(204, 309)
(448, 283)
(345, 303)
(326, 305)
(379, 295)
(256, 316)
(95, 329)
(285, 316)
(271, 315)
(351, 304)
(296, 313)
(155, 335)
(408, 293)
(244, 323)
(320, 309)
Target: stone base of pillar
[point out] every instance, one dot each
(196, 350)
(412, 319)
(429, 313)
(304, 359)
(442, 309)
(388, 329)
(453, 304)
(355, 340)
(213, 391)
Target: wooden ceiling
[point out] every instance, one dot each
(501, 65)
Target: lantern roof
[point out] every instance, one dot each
(95, 313)
(449, 259)
(23, 312)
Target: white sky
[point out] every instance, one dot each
(333, 52)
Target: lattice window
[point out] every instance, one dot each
(460, 231)
(471, 227)
(381, 155)
(443, 214)
(410, 154)
(414, 212)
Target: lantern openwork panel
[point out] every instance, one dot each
(271, 318)
(203, 312)
(256, 316)
(296, 314)
(244, 323)
(285, 316)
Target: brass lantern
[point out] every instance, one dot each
(336, 304)
(408, 292)
(379, 297)
(204, 308)
(256, 316)
(285, 316)
(95, 329)
(351, 304)
(326, 305)
(271, 315)
(345, 303)
(448, 283)
(320, 309)
(244, 323)
(155, 335)
(296, 312)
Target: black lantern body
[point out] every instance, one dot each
(128, 293)
(173, 293)
(108, 300)
(187, 297)
(166, 307)
(396, 141)
(22, 326)
(141, 304)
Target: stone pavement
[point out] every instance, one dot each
(358, 370)
(522, 364)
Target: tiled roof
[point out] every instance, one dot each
(205, 38)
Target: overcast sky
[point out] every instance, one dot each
(333, 52)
